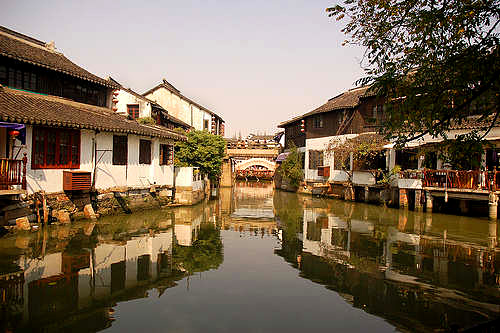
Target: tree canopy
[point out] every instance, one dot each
(436, 61)
(202, 149)
(291, 168)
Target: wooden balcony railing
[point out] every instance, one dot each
(13, 172)
(456, 179)
(249, 173)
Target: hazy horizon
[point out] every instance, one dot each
(254, 64)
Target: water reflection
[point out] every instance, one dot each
(404, 270)
(70, 277)
(418, 271)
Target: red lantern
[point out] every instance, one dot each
(116, 92)
(14, 133)
(302, 125)
(115, 100)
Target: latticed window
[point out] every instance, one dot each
(166, 154)
(318, 121)
(120, 150)
(55, 148)
(133, 111)
(315, 159)
(145, 152)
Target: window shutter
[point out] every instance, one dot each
(120, 150)
(145, 152)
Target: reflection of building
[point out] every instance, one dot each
(77, 278)
(400, 267)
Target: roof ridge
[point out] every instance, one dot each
(21, 36)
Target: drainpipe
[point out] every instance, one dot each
(94, 157)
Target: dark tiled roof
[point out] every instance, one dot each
(26, 49)
(346, 100)
(165, 84)
(36, 109)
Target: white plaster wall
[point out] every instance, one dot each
(197, 117)
(363, 178)
(338, 175)
(125, 98)
(410, 183)
(207, 116)
(184, 176)
(328, 159)
(107, 174)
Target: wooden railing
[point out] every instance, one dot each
(456, 179)
(259, 174)
(13, 172)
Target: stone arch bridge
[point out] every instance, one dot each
(249, 162)
(256, 162)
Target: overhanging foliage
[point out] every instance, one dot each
(436, 61)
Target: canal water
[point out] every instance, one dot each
(253, 260)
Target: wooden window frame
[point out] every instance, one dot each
(316, 159)
(133, 111)
(318, 121)
(144, 151)
(120, 150)
(166, 154)
(75, 140)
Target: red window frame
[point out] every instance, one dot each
(51, 145)
(166, 154)
(133, 111)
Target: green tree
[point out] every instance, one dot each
(291, 168)
(436, 61)
(202, 149)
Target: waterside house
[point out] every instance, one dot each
(341, 117)
(425, 180)
(185, 109)
(61, 138)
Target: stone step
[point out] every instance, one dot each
(17, 205)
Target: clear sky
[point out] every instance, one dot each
(255, 63)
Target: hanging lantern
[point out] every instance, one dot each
(115, 100)
(115, 108)
(302, 125)
(116, 92)
(14, 133)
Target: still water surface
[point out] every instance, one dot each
(254, 260)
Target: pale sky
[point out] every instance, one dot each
(254, 63)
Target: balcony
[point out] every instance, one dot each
(455, 179)
(12, 176)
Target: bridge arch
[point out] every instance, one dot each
(256, 162)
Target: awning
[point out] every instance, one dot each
(19, 127)
(281, 157)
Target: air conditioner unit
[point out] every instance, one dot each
(76, 180)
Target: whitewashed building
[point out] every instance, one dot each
(185, 109)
